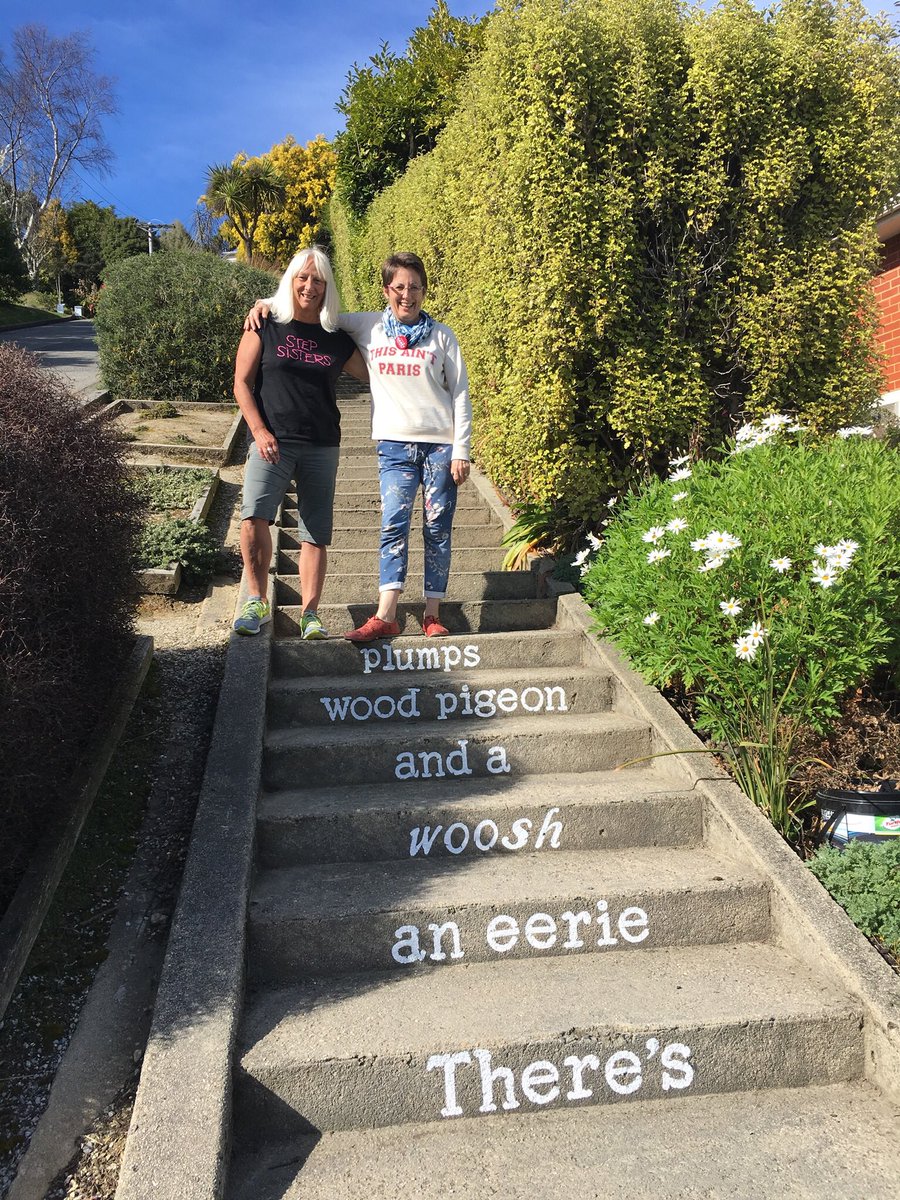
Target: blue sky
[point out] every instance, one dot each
(197, 84)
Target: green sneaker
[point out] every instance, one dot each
(253, 616)
(311, 628)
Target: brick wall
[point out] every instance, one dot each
(887, 291)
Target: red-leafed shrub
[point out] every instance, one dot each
(68, 525)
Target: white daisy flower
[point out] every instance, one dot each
(755, 634)
(699, 544)
(677, 525)
(594, 542)
(841, 560)
(651, 618)
(730, 608)
(612, 501)
(679, 462)
(681, 473)
(795, 428)
(746, 433)
(584, 568)
(744, 649)
(824, 574)
(775, 421)
(679, 496)
(581, 556)
(855, 431)
(823, 551)
(654, 534)
(781, 565)
(657, 555)
(712, 563)
(721, 539)
(847, 545)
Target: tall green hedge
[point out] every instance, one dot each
(643, 221)
(168, 325)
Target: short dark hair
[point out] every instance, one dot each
(404, 258)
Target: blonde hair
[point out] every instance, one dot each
(281, 305)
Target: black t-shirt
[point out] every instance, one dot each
(295, 380)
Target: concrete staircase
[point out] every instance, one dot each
(480, 961)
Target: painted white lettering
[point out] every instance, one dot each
(678, 1071)
(545, 829)
(540, 1075)
(558, 694)
(452, 657)
(518, 836)
(484, 703)
(462, 842)
(466, 700)
(438, 932)
(540, 931)
(448, 1063)
(398, 660)
(623, 1072)
(488, 1076)
(406, 948)
(361, 708)
(428, 659)
(336, 706)
(633, 918)
(573, 941)
(406, 766)
(457, 760)
(603, 921)
(492, 838)
(407, 705)
(532, 707)
(590, 1062)
(496, 763)
(429, 756)
(423, 843)
(371, 659)
(507, 700)
(502, 933)
(447, 703)
(471, 656)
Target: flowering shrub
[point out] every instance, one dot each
(767, 590)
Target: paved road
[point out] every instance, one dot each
(66, 347)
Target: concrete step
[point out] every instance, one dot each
(415, 696)
(476, 749)
(359, 496)
(374, 1050)
(834, 1142)
(308, 922)
(473, 616)
(464, 585)
(601, 810)
(366, 562)
(397, 657)
(362, 532)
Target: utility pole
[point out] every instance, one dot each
(151, 227)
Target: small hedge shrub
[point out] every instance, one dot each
(68, 527)
(165, 488)
(168, 325)
(865, 880)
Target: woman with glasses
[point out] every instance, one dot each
(421, 421)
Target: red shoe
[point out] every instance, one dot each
(372, 629)
(432, 627)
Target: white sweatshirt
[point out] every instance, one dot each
(420, 394)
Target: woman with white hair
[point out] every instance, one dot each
(284, 383)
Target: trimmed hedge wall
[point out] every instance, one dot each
(642, 222)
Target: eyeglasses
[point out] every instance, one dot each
(412, 289)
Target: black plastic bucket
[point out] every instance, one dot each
(849, 816)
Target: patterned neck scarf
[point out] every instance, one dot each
(406, 335)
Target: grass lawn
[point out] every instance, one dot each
(21, 314)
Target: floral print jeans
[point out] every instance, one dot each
(402, 468)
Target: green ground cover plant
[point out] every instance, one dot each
(165, 488)
(763, 585)
(179, 540)
(168, 325)
(864, 879)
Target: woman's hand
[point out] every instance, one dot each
(267, 445)
(459, 469)
(255, 316)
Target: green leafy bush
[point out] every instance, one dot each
(164, 488)
(68, 526)
(644, 219)
(764, 584)
(865, 880)
(179, 540)
(168, 325)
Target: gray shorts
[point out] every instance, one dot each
(314, 468)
